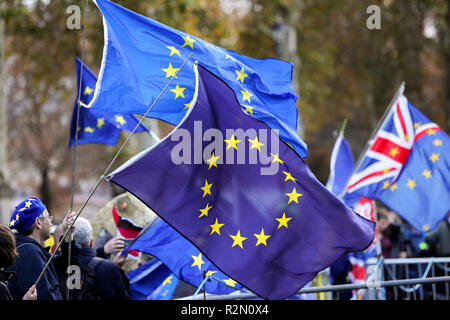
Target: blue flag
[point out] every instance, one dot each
(407, 167)
(183, 258)
(97, 126)
(341, 165)
(141, 55)
(152, 281)
(263, 220)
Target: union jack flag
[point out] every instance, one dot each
(389, 150)
(406, 166)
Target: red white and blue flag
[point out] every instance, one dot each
(406, 167)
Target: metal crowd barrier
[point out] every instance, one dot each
(387, 279)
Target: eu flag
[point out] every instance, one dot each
(407, 167)
(97, 126)
(341, 165)
(263, 219)
(182, 258)
(140, 56)
(152, 281)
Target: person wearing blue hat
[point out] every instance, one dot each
(32, 224)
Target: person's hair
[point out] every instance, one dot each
(32, 227)
(83, 232)
(8, 252)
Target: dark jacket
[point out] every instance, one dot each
(4, 292)
(28, 266)
(112, 283)
(439, 240)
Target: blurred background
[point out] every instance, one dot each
(341, 70)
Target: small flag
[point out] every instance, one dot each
(97, 126)
(152, 281)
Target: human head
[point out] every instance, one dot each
(31, 217)
(8, 253)
(83, 232)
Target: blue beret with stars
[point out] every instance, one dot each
(26, 213)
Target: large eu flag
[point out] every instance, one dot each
(141, 55)
(263, 219)
(407, 167)
(97, 126)
(183, 258)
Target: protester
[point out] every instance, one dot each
(8, 255)
(32, 223)
(112, 283)
(113, 245)
(438, 240)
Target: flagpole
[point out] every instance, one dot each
(399, 92)
(107, 169)
(69, 253)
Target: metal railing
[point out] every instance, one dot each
(391, 279)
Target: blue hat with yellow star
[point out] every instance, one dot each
(26, 213)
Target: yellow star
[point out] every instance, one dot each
(88, 90)
(179, 92)
(216, 227)
(17, 217)
(393, 152)
(241, 75)
(416, 125)
(205, 211)
(198, 261)
(229, 57)
(89, 129)
(167, 280)
(386, 184)
(437, 143)
(206, 188)
(289, 177)
(434, 157)
(188, 41)
(187, 105)
(230, 282)
(173, 50)
(27, 205)
(12, 222)
(100, 122)
(170, 71)
(232, 142)
(213, 161)
(120, 120)
(246, 95)
(431, 132)
(248, 109)
(411, 184)
(293, 196)
(283, 221)
(394, 187)
(238, 239)
(426, 174)
(261, 238)
(276, 158)
(210, 273)
(255, 144)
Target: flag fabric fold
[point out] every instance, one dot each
(140, 56)
(271, 232)
(97, 126)
(407, 167)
